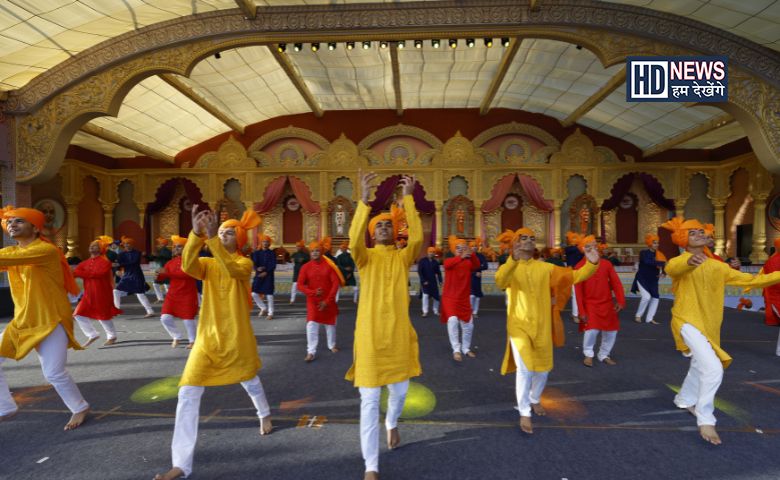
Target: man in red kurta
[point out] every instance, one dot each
(598, 311)
(772, 294)
(182, 298)
(455, 301)
(97, 303)
(320, 280)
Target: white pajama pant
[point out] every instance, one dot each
(468, 330)
(85, 323)
(369, 418)
(190, 325)
(354, 294)
(426, 300)
(703, 379)
(118, 294)
(608, 338)
(529, 385)
(313, 336)
(52, 354)
(262, 305)
(185, 431)
(160, 290)
(474, 304)
(293, 291)
(777, 315)
(647, 302)
(574, 310)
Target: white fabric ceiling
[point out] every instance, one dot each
(248, 85)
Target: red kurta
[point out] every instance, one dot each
(772, 294)
(314, 275)
(455, 300)
(594, 297)
(182, 298)
(98, 299)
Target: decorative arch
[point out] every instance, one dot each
(514, 128)
(399, 130)
(289, 132)
(163, 196)
(231, 154)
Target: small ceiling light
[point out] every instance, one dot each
(579, 47)
(331, 45)
(217, 55)
(470, 42)
(315, 46)
(418, 44)
(350, 45)
(366, 45)
(505, 42)
(281, 48)
(453, 43)
(298, 47)
(435, 43)
(402, 44)
(383, 44)
(488, 42)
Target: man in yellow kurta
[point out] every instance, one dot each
(225, 350)
(386, 352)
(530, 285)
(698, 283)
(40, 281)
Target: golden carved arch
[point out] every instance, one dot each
(577, 148)
(458, 151)
(399, 130)
(289, 132)
(344, 154)
(230, 155)
(514, 128)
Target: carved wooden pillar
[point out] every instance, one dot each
(141, 213)
(439, 224)
(477, 221)
(719, 208)
(72, 239)
(556, 218)
(758, 251)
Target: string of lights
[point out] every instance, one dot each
(383, 44)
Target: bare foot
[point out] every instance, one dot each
(175, 343)
(173, 473)
(538, 409)
(471, 354)
(653, 322)
(308, 358)
(457, 357)
(270, 317)
(393, 438)
(110, 341)
(149, 315)
(189, 346)
(587, 361)
(526, 425)
(638, 319)
(76, 420)
(371, 476)
(335, 350)
(9, 416)
(90, 341)
(709, 434)
(266, 426)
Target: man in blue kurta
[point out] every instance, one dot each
(132, 281)
(263, 283)
(476, 277)
(430, 277)
(651, 264)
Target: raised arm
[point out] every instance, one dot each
(737, 278)
(504, 273)
(190, 257)
(678, 266)
(357, 234)
(412, 250)
(39, 253)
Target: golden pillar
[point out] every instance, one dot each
(556, 218)
(719, 208)
(141, 213)
(758, 251)
(439, 225)
(477, 222)
(72, 238)
(108, 219)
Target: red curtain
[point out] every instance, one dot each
(303, 194)
(498, 194)
(535, 193)
(271, 196)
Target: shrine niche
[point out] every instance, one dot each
(627, 219)
(340, 213)
(459, 217)
(583, 214)
(512, 212)
(230, 205)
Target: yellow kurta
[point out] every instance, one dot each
(529, 312)
(225, 350)
(386, 349)
(698, 297)
(40, 300)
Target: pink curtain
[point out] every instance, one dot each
(500, 190)
(303, 194)
(535, 194)
(273, 193)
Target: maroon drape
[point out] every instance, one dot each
(273, 192)
(500, 189)
(164, 197)
(303, 194)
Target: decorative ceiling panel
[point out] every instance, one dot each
(101, 146)
(717, 137)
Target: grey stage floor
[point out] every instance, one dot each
(603, 423)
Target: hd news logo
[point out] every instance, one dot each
(677, 79)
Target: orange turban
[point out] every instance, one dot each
(555, 250)
(602, 247)
(104, 241)
(323, 245)
(650, 238)
(300, 243)
(128, 240)
(524, 231)
(431, 250)
(777, 244)
(261, 237)
(573, 238)
(679, 228)
(396, 215)
(249, 220)
(709, 229)
(177, 240)
(453, 241)
(162, 241)
(584, 241)
(37, 218)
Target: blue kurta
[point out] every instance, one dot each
(573, 255)
(347, 266)
(647, 274)
(429, 271)
(133, 278)
(299, 259)
(476, 280)
(264, 259)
